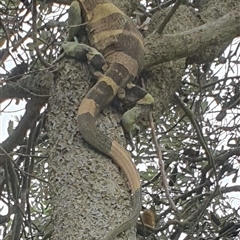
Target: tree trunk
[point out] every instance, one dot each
(89, 196)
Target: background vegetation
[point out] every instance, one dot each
(54, 185)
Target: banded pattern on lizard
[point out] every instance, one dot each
(115, 36)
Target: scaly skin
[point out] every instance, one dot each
(114, 35)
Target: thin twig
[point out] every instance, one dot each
(161, 163)
(34, 27)
(163, 24)
(202, 141)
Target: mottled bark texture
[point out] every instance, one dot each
(128, 6)
(88, 194)
(188, 37)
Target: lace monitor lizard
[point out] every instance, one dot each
(117, 39)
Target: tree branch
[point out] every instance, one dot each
(159, 49)
(32, 85)
(33, 108)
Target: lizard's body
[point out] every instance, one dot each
(114, 35)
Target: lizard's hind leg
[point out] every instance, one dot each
(141, 103)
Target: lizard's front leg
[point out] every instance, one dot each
(84, 52)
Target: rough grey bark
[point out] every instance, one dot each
(89, 196)
(187, 43)
(186, 38)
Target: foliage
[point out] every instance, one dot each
(210, 207)
(192, 180)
